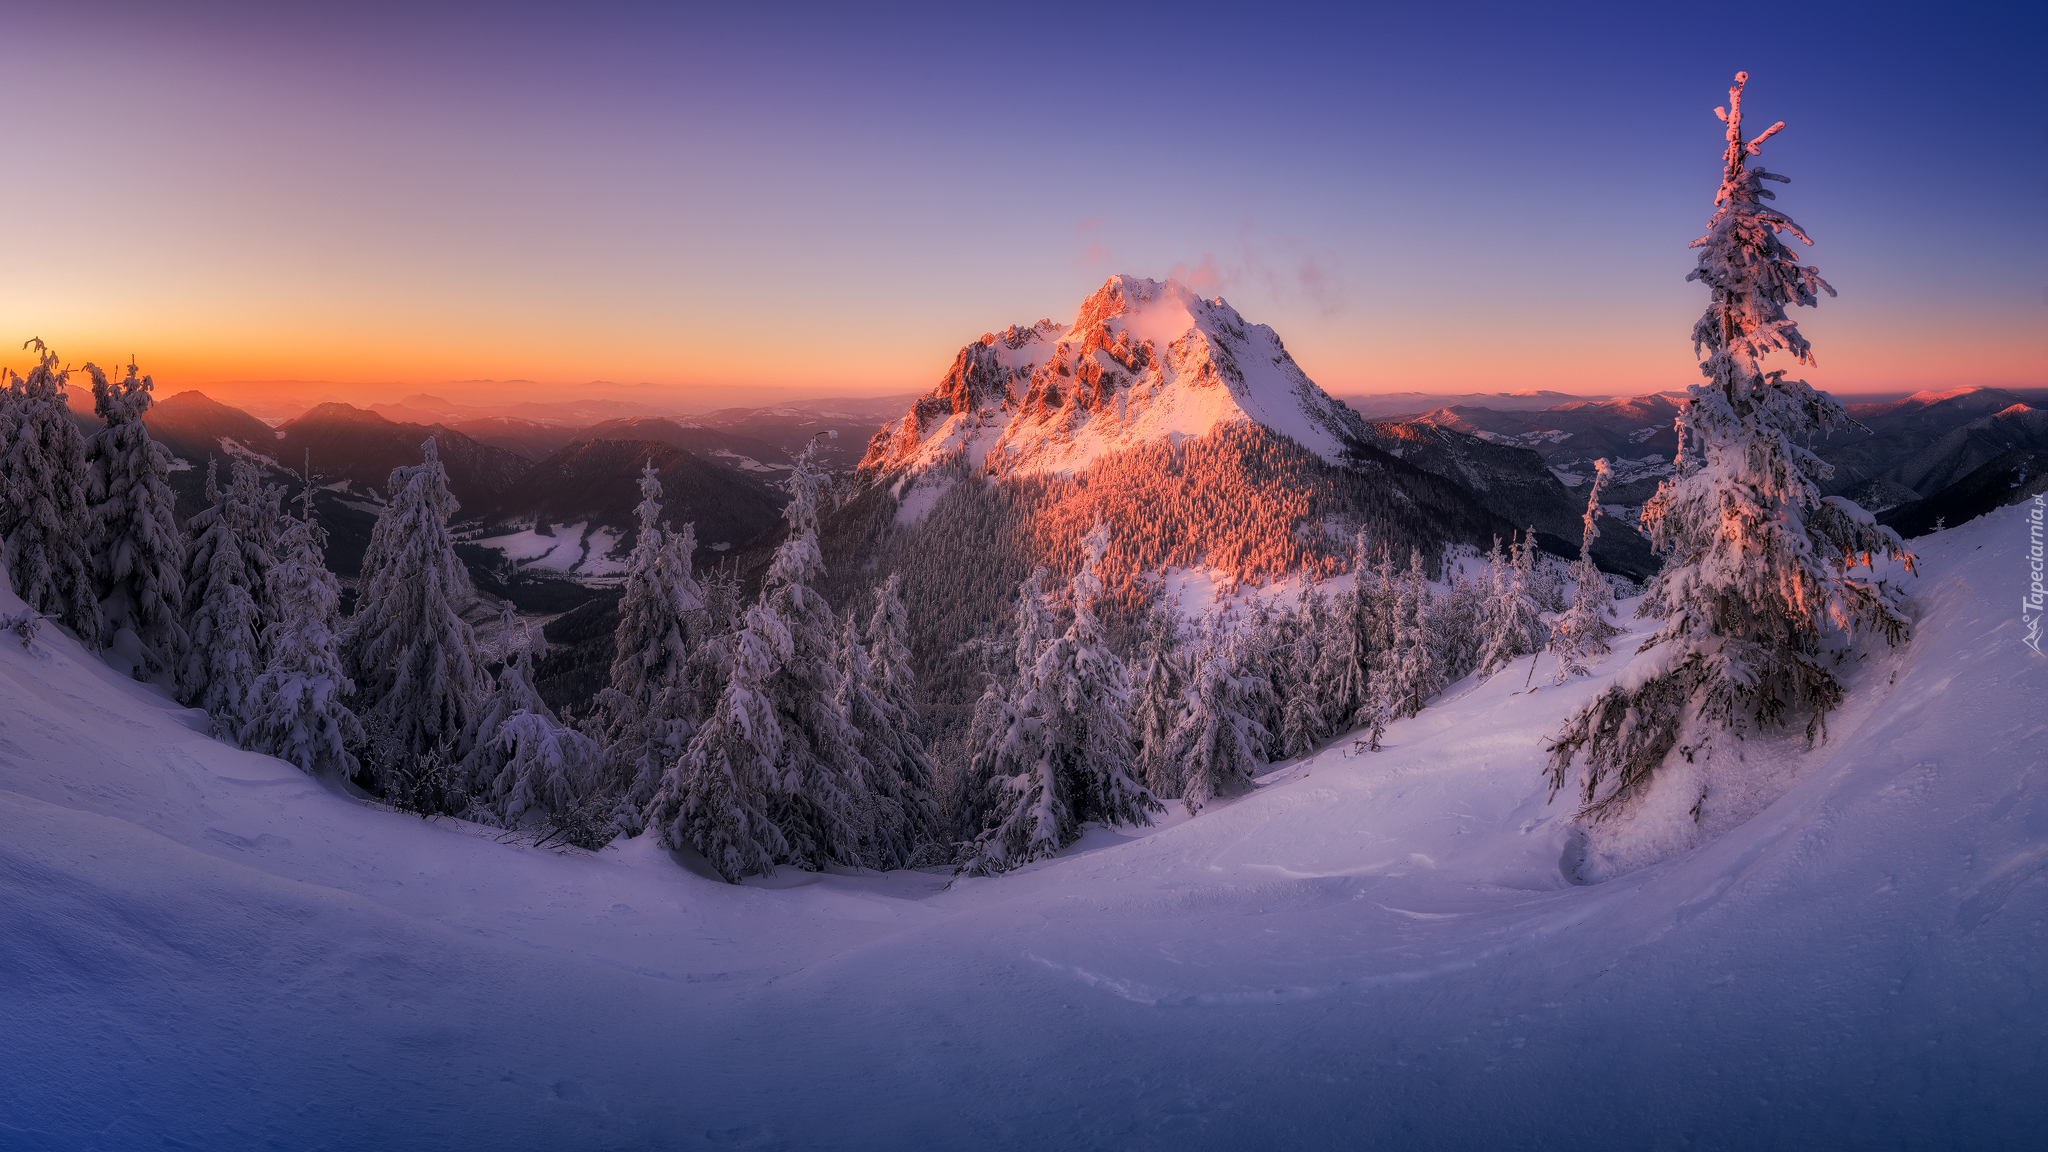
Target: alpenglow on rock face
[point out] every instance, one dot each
(1144, 360)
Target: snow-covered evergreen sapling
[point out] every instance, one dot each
(1159, 700)
(1342, 682)
(45, 516)
(228, 597)
(1760, 570)
(412, 656)
(1219, 742)
(300, 711)
(646, 716)
(138, 552)
(1057, 752)
(771, 776)
(1416, 677)
(525, 769)
(1302, 711)
(1512, 625)
(1584, 629)
(897, 813)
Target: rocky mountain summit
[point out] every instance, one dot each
(1143, 361)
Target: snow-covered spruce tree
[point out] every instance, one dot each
(1455, 627)
(1542, 578)
(413, 658)
(772, 775)
(1342, 682)
(46, 517)
(1584, 629)
(299, 710)
(1513, 624)
(228, 565)
(1057, 752)
(1303, 709)
(647, 715)
(1159, 702)
(1759, 576)
(1415, 675)
(898, 816)
(524, 767)
(138, 552)
(1219, 742)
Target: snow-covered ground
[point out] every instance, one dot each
(204, 948)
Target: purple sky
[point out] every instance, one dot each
(826, 201)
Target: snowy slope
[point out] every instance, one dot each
(1143, 361)
(204, 948)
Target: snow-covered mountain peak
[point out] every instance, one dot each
(1144, 360)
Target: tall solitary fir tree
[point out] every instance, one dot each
(772, 775)
(139, 554)
(45, 515)
(1584, 630)
(300, 712)
(646, 716)
(413, 658)
(1761, 570)
(228, 597)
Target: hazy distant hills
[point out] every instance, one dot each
(2012, 476)
(1513, 482)
(362, 447)
(596, 481)
(1903, 429)
(509, 473)
(1913, 449)
(194, 426)
(527, 438)
(759, 458)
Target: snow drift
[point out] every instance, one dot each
(204, 947)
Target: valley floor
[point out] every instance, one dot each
(204, 948)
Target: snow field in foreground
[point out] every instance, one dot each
(203, 947)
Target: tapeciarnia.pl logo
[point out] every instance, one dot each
(2031, 604)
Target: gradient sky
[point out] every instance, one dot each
(752, 201)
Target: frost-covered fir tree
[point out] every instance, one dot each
(1584, 629)
(1219, 742)
(1415, 675)
(1342, 682)
(1512, 621)
(1057, 750)
(647, 715)
(1456, 626)
(772, 775)
(413, 658)
(1302, 714)
(45, 516)
(1760, 571)
(300, 711)
(1159, 700)
(138, 552)
(895, 806)
(228, 565)
(524, 767)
